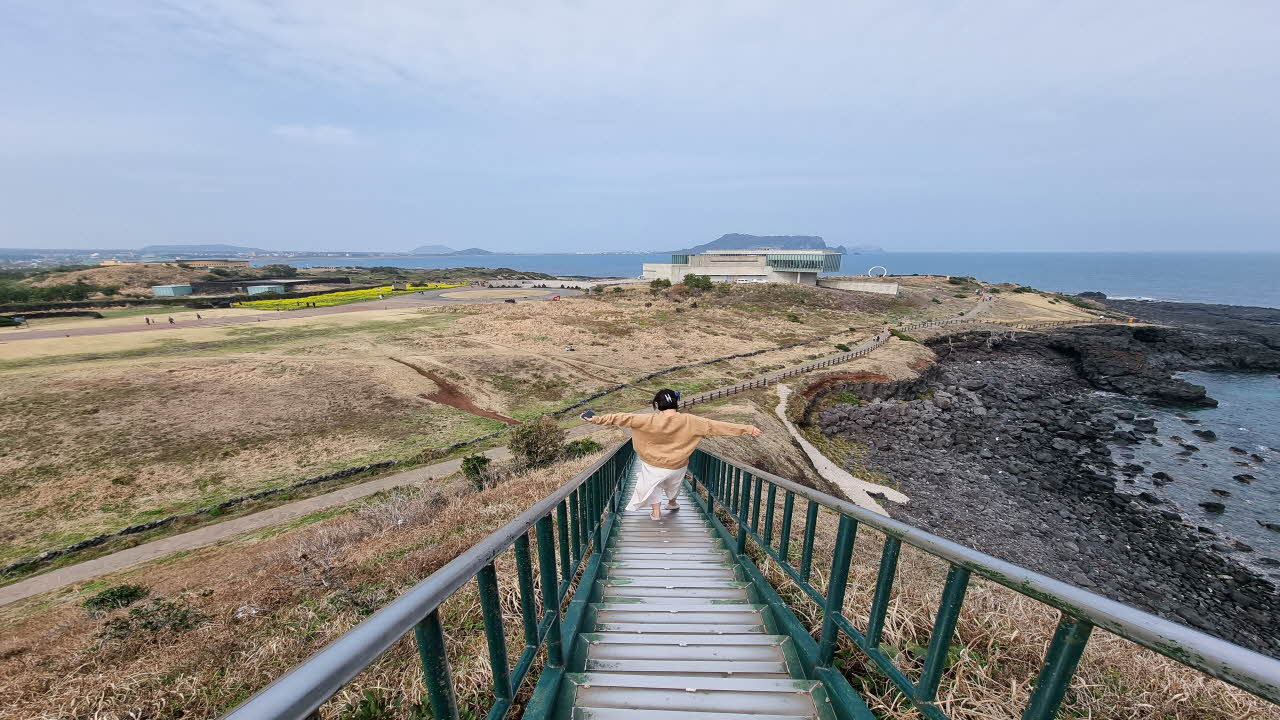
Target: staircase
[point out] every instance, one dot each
(674, 631)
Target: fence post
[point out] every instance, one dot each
(1059, 665)
(435, 666)
(836, 585)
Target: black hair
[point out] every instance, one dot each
(666, 399)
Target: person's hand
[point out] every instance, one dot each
(755, 431)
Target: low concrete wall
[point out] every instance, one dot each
(882, 288)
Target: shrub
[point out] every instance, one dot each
(278, 270)
(845, 397)
(1024, 289)
(615, 289)
(581, 448)
(698, 282)
(994, 290)
(115, 598)
(596, 289)
(537, 443)
(659, 284)
(842, 347)
(955, 281)
(961, 295)
(474, 467)
(937, 301)
(792, 317)
(903, 336)
(158, 616)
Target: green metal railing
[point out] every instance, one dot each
(570, 527)
(743, 492)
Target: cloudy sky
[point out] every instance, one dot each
(541, 126)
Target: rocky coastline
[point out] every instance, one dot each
(1007, 445)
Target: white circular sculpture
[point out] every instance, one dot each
(871, 271)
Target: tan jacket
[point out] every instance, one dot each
(666, 440)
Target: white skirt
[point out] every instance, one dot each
(652, 482)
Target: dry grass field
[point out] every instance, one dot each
(110, 430)
(221, 622)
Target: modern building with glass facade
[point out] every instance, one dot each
(746, 266)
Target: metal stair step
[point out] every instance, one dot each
(652, 649)
(647, 628)
(689, 639)
(601, 713)
(692, 582)
(719, 668)
(658, 619)
(667, 564)
(624, 591)
(721, 573)
(683, 693)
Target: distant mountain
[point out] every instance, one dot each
(197, 250)
(740, 241)
(473, 251)
(433, 250)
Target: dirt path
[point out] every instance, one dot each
(451, 395)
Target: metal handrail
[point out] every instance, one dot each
(739, 487)
(582, 509)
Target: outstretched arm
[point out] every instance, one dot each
(711, 428)
(622, 419)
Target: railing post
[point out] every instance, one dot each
(491, 608)
(940, 637)
(755, 504)
(550, 595)
(884, 588)
(806, 549)
(435, 666)
(768, 515)
(528, 605)
(1059, 665)
(836, 584)
(784, 536)
(575, 523)
(743, 512)
(562, 528)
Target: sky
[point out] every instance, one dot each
(571, 126)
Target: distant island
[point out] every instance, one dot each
(446, 250)
(213, 249)
(741, 241)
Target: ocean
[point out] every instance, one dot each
(1228, 278)
(1247, 419)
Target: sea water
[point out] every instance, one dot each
(1248, 418)
(1227, 278)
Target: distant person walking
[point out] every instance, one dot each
(171, 320)
(147, 319)
(664, 440)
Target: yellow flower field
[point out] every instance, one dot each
(342, 297)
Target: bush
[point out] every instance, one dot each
(937, 301)
(474, 468)
(538, 442)
(842, 347)
(994, 290)
(697, 282)
(581, 448)
(596, 290)
(903, 336)
(115, 598)
(157, 616)
(1024, 289)
(615, 289)
(278, 270)
(659, 284)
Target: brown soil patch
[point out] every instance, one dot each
(449, 394)
(131, 279)
(853, 377)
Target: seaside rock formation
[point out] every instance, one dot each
(1011, 455)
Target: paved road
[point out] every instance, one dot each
(431, 298)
